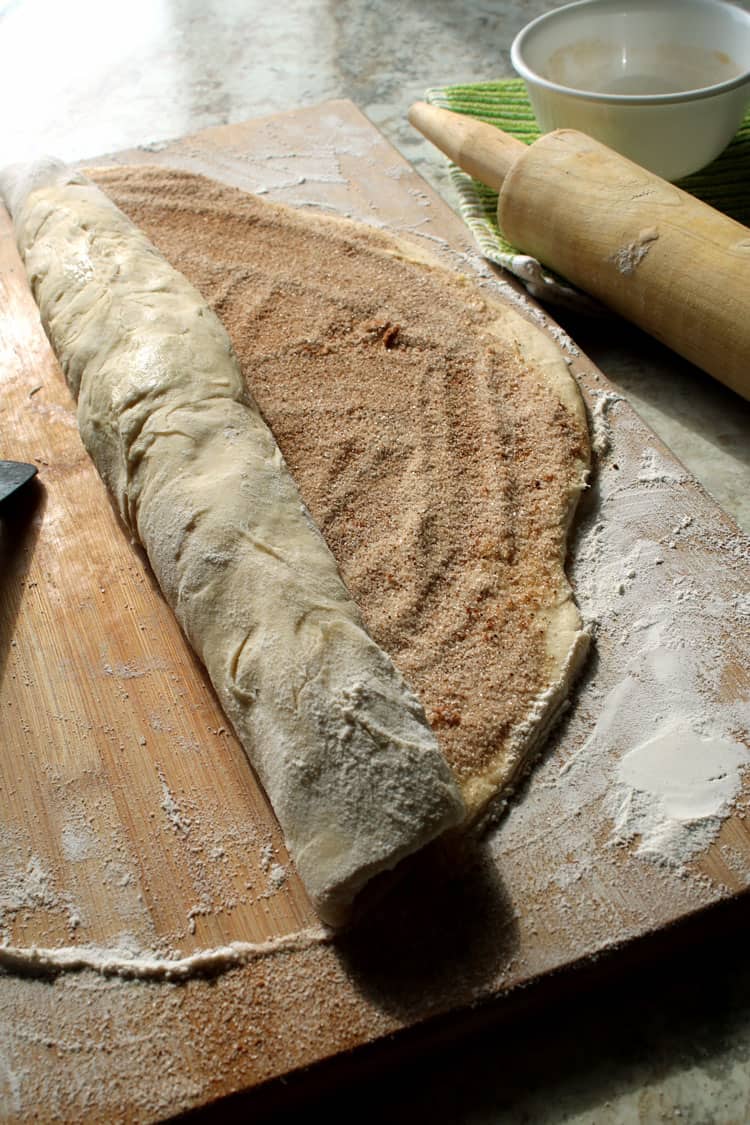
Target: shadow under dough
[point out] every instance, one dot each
(437, 937)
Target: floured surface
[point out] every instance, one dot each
(131, 824)
(676, 790)
(650, 788)
(438, 441)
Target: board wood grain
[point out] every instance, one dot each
(132, 824)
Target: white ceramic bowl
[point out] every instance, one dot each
(665, 82)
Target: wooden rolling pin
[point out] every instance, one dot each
(654, 254)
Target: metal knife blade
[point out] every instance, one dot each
(13, 475)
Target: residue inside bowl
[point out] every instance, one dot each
(611, 68)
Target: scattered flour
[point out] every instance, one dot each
(78, 841)
(633, 819)
(629, 257)
(266, 857)
(121, 962)
(674, 791)
(655, 469)
(177, 819)
(277, 876)
(601, 434)
(665, 756)
(27, 888)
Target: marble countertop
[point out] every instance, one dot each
(672, 1040)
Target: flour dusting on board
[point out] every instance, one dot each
(674, 791)
(603, 401)
(28, 888)
(127, 964)
(675, 742)
(625, 824)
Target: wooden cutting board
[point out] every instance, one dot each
(165, 954)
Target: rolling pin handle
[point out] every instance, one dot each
(483, 151)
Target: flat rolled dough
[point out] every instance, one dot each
(436, 435)
(341, 745)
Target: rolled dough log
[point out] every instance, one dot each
(340, 743)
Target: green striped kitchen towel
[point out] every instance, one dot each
(725, 183)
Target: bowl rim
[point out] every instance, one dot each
(530, 75)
